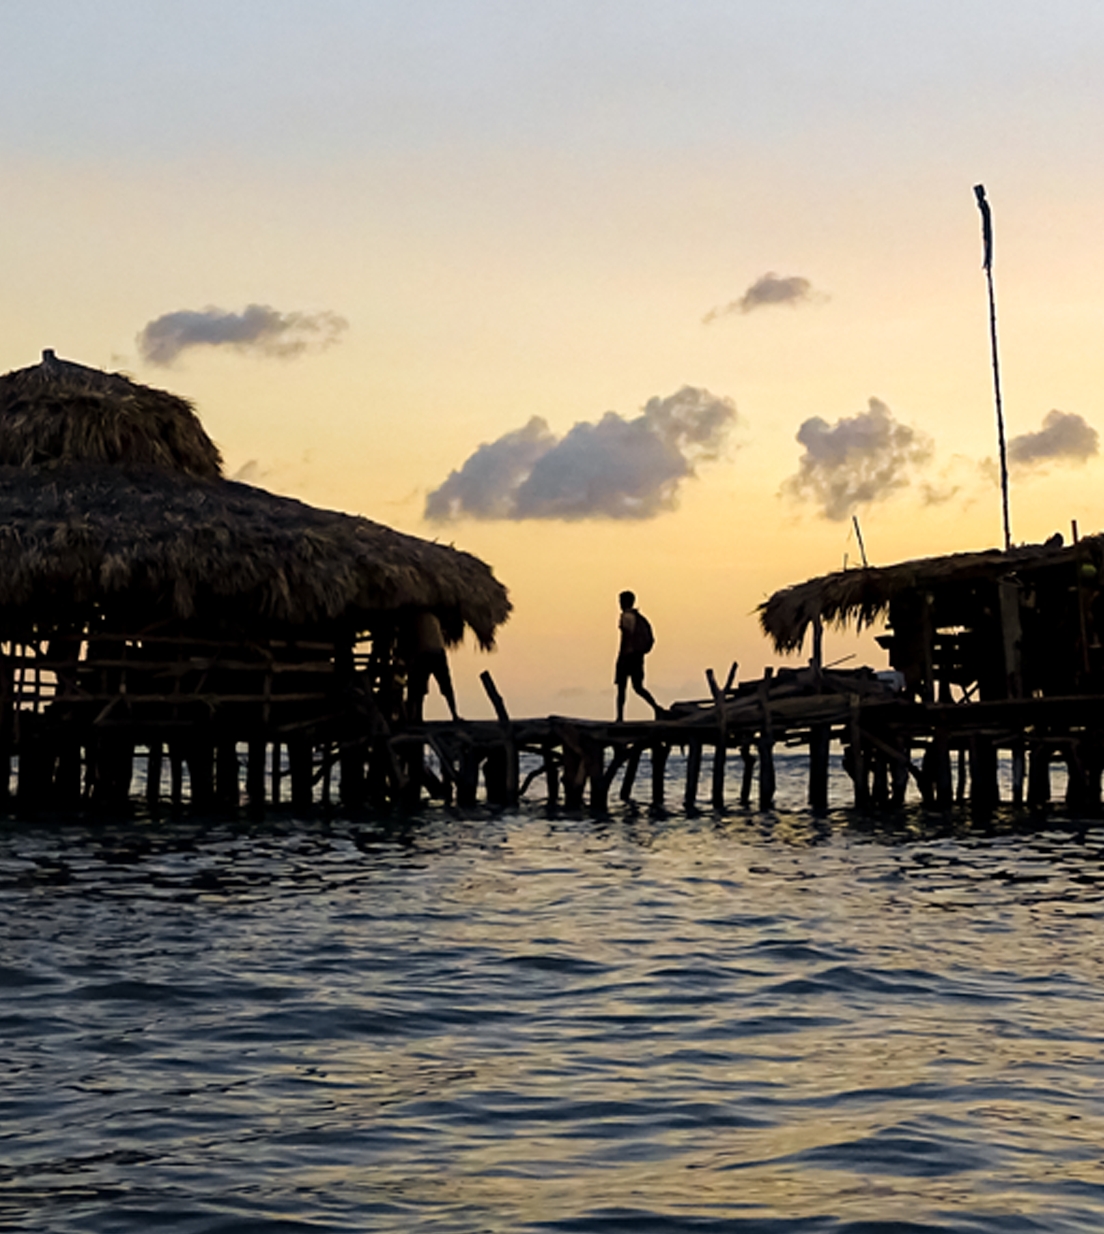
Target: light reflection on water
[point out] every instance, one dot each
(737, 1022)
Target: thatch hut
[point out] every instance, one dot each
(140, 588)
(1020, 623)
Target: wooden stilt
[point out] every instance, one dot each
(1019, 771)
(960, 785)
(276, 772)
(857, 756)
(227, 774)
(153, 774)
(201, 771)
(255, 774)
(1038, 775)
(693, 771)
(748, 757)
(631, 766)
(943, 792)
(551, 773)
(766, 745)
(176, 773)
(660, 750)
(301, 760)
(574, 777)
(984, 789)
(820, 737)
(595, 755)
(351, 784)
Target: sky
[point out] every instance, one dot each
(614, 293)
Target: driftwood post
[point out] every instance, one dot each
(720, 751)
(820, 739)
(693, 770)
(858, 761)
(766, 744)
(660, 750)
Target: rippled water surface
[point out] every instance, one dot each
(740, 1022)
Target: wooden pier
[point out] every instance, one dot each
(256, 733)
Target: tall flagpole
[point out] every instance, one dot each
(987, 240)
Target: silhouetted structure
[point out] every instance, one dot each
(146, 600)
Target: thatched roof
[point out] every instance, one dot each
(152, 532)
(864, 595)
(57, 412)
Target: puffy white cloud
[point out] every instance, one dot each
(257, 328)
(610, 468)
(859, 459)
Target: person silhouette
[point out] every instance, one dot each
(637, 640)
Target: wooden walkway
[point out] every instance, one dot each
(349, 755)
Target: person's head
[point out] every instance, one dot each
(628, 599)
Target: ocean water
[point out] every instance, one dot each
(522, 1022)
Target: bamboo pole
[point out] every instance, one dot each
(987, 243)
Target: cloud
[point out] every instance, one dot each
(1064, 438)
(613, 468)
(767, 290)
(257, 328)
(857, 460)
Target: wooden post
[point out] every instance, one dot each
(944, 797)
(984, 789)
(1019, 771)
(1077, 781)
(574, 776)
(551, 773)
(255, 774)
(176, 773)
(766, 744)
(960, 786)
(693, 770)
(277, 772)
(660, 750)
(494, 776)
(820, 738)
(748, 757)
(595, 754)
(227, 773)
(1038, 775)
(153, 774)
(858, 760)
(720, 750)
(201, 770)
(629, 778)
(301, 759)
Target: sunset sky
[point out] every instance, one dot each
(728, 223)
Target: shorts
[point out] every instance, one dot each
(630, 667)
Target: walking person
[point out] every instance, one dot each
(429, 659)
(637, 640)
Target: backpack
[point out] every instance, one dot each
(643, 634)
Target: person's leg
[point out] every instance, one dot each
(417, 684)
(444, 682)
(641, 689)
(620, 700)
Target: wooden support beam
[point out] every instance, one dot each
(984, 788)
(659, 752)
(496, 699)
(1038, 775)
(820, 740)
(227, 773)
(301, 760)
(693, 771)
(255, 774)
(631, 766)
(552, 774)
(1019, 771)
(720, 750)
(766, 744)
(748, 757)
(153, 774)
(858, 759)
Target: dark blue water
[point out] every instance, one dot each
(517, 1023)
